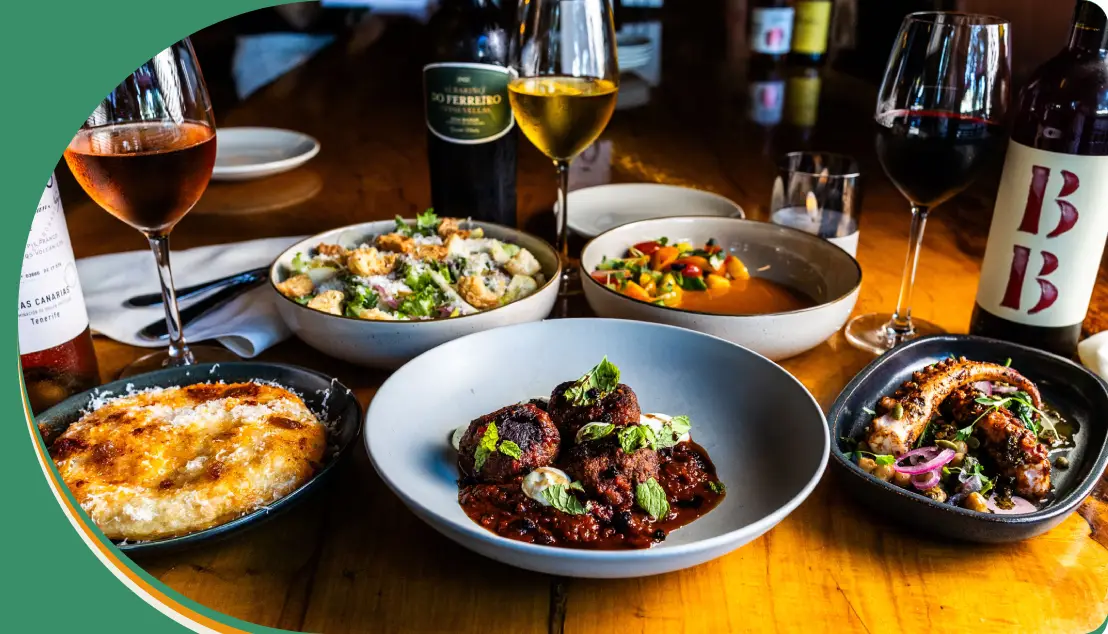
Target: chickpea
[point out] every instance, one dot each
(902, 480)
(957, 460)
(884, 472)
(1062, 462)
(936, 493)
(867, 464)
(975, 502)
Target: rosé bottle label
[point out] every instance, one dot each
(1046, 238)
(771, 30)
(51, 306)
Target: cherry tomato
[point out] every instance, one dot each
(692, 270)
(647, 248)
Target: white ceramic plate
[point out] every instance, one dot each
(765, 433)
(388, 344)
(594, 210)
(247, 153)
(791, 257)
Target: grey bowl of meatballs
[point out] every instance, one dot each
(596, 448)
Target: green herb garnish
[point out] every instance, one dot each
(881, 459)
(678, 426)
(303, 301)
(1018, 403)
(869, 411)
(635, 437)
(651, 497)
(560, 498)
(485, 447)
(716, 487)
(594, 385)
(510, 449)
(594, 431)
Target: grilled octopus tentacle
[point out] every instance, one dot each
(920, 397)
(1015, 449)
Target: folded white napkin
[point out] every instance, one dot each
(1093, 353)
(247, 325)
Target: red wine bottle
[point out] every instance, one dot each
(1051, 216)
(55, 347)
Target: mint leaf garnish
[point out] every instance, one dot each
(651, 497)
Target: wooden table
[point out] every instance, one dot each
(354, 559)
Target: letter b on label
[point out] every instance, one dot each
(1032, 215)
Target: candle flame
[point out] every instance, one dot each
(812, 206)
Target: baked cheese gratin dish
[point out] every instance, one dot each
(171, 461)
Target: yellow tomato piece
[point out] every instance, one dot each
(718, 282)
(650, 287)
(663, 257)
(644, 279)
(634, 291)
(736, 269)
(684, 247)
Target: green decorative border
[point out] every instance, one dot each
(61, 58)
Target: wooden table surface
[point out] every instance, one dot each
(352, 558)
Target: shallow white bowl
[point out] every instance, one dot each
(244, 153)
(805, 262)
(388, 344)
(765, 433)
(594, 210)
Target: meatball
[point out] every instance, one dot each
(524, 424)
(610, 474)
(620, 407)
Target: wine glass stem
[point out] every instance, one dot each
(563, 218)
(901, 324)
(179, 353)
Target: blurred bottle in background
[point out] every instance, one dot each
(811, 30)
(771, 27)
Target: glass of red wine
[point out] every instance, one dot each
(940, 120)
(145, 155)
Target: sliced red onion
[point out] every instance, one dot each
(1005, 389)
(1019, 505)
(925, 481)
(384, 297)
(931, 463)
(984, 386)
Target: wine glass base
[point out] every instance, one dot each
(160, 360)
(570, 284)
(872, 332)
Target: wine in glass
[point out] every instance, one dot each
(146, 155)
(939, 120)
(564, 86)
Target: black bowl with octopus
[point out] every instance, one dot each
(1078, 394)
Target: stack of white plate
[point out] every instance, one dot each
(634, 51)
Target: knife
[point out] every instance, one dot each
(158, 330)
(153, 299)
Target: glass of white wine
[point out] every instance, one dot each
(564, 86)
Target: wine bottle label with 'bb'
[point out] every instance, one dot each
(51, 306)
(771, 30)
(1046, 238)
(467, 102)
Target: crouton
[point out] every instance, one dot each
(396, 243)
(476, 294)
(296, 286)
(523, 263)
(328, 302)
(366, 261)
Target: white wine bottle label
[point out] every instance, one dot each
(813, 22)
(51, 306)
(467, 103)
(1046, 238)
(771, 30)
